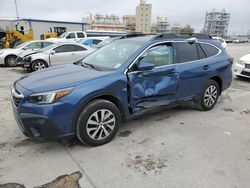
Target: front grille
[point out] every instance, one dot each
(16, 101)
(16, 97)
(245, 73)
(247, 66)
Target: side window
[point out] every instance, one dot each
(96, 41)
(79, 48)
(34, 45)
(65, 48)
(71, 36)
(159, 55)
(80, 35)
(209, 49)
(201, 53)
(185, 52)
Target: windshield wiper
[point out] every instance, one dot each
(92, 66)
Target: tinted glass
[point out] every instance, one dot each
(185, 52)
(209, 49)
(65, 48)
(71, 36)
(159, 56)
(80, 35)
(79, 48)
(96, 41)
(201, 53)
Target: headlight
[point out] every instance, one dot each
(1, 53)
(240, 62)
(49, 97)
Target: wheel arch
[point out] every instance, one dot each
(219, 81)
(9, 56)
(107, 97)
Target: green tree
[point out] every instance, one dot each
(187, 30)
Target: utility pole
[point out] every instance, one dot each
(16, 10)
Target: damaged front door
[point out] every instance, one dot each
(156, 87)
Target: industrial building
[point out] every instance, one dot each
(161, 26)
(216, 23)
(143, 17)
(41, 26)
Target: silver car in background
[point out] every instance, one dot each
(56, 54)
(9, 56)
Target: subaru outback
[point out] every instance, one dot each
(122, 80)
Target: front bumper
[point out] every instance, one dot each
(2, 60)
(25, 64)
(41, 122)
(242, 70)
(37, 126)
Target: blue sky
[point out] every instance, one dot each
(182, 11)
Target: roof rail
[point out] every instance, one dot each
(181, 36)
(131, 35)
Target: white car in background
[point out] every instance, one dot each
(8, 56)
(72, 36)
(56, 54)
(242, 67)
(222, 41)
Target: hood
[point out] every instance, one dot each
(11, 50)
(59, 77)
(246, 58)
(28, 52)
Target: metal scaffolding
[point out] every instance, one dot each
(216, 23)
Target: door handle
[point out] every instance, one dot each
(73, 53)
(206, 67)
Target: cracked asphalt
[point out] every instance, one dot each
(179, 147)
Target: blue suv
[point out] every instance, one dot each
(122, 80)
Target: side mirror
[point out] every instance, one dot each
(52, 52)
(25, 48)
(146, 67)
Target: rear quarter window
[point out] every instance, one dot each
(209, 49)
(185, 52)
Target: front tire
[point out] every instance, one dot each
(209, 96)
(39, 65)
(98, 123)
(10, 61)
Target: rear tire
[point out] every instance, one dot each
(39, 65)
(10, 61)
(209, 96)
(98, 123)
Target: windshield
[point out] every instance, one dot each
(48, 47)
(63, 35)
(113, 55)
(105, 42)
(21, 45)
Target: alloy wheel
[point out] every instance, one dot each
(100, 124)
(39, 66)
(211, 95)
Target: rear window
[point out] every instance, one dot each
(80, 35)
(209, 49)
(185, 52)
